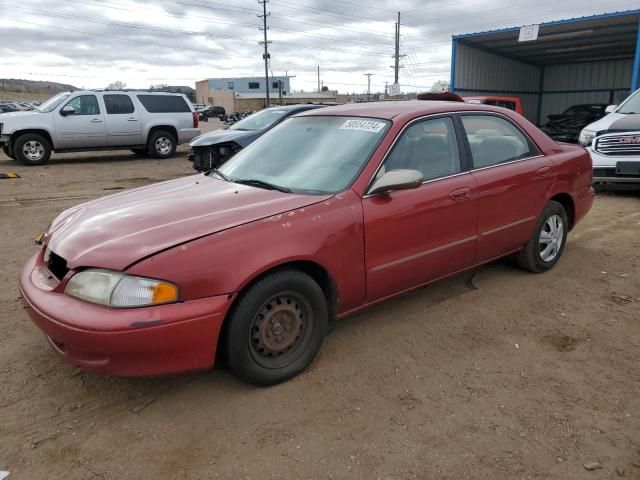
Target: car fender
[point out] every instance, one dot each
(329, 234)
(11, 124)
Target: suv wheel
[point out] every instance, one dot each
(32, 149)
(162, 144)
(544, 248)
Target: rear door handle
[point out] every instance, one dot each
(460, 194)
(543, 171)
(96, 120)
(132, 119)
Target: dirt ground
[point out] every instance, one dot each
(494, 374)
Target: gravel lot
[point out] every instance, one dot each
(494, 374)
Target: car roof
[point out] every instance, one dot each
(412, 108)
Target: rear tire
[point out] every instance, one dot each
(276, 328)
(32, 149)
(162, 144)
(543, 250)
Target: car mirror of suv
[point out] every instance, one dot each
(68, 110)
(397, 180)
(610, 109)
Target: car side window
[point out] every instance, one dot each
(118, 104)
(84, 105)
(494, 140)
(429, 146)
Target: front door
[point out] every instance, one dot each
(123, 122)
(416, 236)
(83, 127)
(513, 183)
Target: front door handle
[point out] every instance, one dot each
(96, 120)
(543, 171)
(460, 194)
(132, 119)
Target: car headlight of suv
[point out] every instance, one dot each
(117, 289)
(586, 137)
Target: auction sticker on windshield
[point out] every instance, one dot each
(364, 125)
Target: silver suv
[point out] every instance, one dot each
(150, 123)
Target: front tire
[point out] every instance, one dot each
(162, 144)
(543, 250)
(32, 149)
(276, 328)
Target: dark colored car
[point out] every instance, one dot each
(566, 126)
(212, 149)
(329, 212)
(4, 108)
(214, 111)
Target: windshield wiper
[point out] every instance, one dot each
(217, 172)
(261, 184)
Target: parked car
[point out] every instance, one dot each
(614, 143)
(202, 115)
(212, 149)
(327, 213)
(5, 107)
(566, 126)
(214, 111)
(512, 103)
(144, 122)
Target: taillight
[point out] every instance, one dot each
(195, 119)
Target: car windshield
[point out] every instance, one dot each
(260, 120)
(631, 104)
(309, 155)
(53, 102)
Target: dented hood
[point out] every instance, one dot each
(117, 231)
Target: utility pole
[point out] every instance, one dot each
(318, 78)
(266, 43)
(369, 85)
(397, 55)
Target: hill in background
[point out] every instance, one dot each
(12, 89)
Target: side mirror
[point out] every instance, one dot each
(610, 109)
(397, 180)
(68, 110)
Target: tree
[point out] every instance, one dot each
(117, 85)
(440, 86)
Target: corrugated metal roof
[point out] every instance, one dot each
(606, 36)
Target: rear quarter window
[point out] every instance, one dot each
(163, 103)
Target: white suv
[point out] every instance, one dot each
(151, 123)
(614, 143)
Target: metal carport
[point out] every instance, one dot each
(593, 59)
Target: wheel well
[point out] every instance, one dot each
(566, 201)
(44, 133)
(168, 128)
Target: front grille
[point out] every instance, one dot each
(605, 172)
(57, 265)
(619, 145)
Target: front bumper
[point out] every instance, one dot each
(147, 341)
(604, 168)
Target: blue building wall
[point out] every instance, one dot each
(244, 84)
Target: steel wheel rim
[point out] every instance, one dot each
(33, 150)
(163, 145)
(551, 238)
(280, 330)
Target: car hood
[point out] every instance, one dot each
(605, 122)
(21, 113)
(116, 231)
(241, 137)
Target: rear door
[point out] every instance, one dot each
(84, 128)
(415, 236)
(122, 120)
(513, 179)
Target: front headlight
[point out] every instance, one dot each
(586, 137)
(116, 289)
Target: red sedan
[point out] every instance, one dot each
(330, 212)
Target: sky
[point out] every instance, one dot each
(91, 43)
